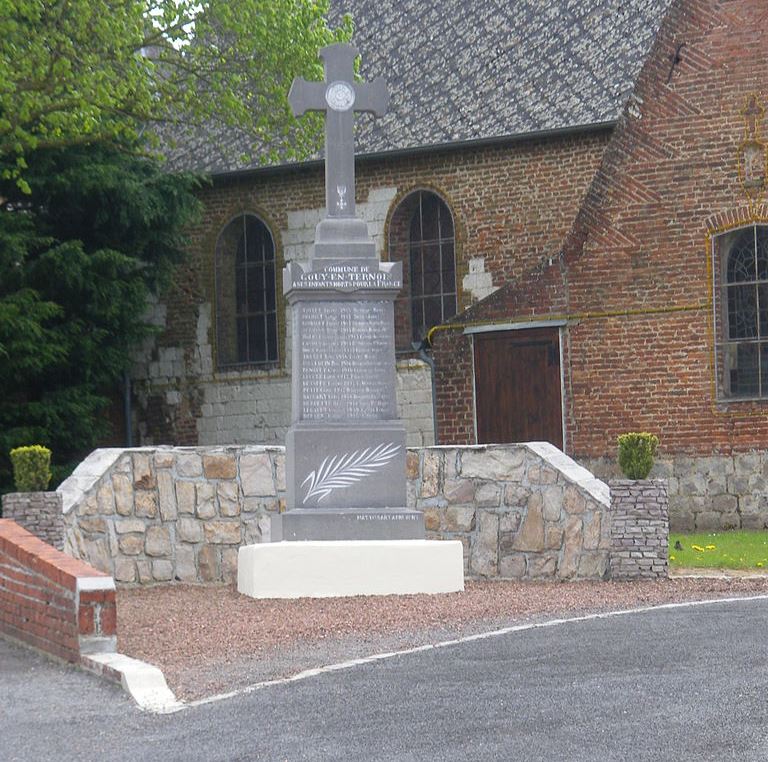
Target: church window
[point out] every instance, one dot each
(421, 236)
(246, 308)
(742, 313)
(432, 265)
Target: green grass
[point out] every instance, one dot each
(720, 550)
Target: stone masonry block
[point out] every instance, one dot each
(158, 541)
(189, 530)
(185, 496)
(146, 503)
(189, 464)
(222, 532)
(256, 475)
(219, 466)
(494, 464)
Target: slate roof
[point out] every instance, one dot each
(469, 70)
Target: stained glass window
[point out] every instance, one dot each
(743, 359)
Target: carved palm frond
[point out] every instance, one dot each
(338, 471)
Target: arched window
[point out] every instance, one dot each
(422, 237)
(246, 308)
(744, 312)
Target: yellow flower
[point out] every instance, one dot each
(760, 564)
(710, 547)
(698, 548)
(671, 558)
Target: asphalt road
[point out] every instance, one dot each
(685, 683)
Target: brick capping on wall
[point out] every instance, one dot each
(51, 601)
(39, 513)
(639, 528)
(523, 511)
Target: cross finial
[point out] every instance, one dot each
(339, 97)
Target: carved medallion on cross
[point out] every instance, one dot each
(339, 97)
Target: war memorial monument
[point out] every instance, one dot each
(346, 529)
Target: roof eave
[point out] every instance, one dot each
(399, 153)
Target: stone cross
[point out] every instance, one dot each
(339, 97)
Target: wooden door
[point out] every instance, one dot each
(517, 386)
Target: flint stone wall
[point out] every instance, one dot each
(709, 493)
(639, 529)
(159, 514)
(39, 513)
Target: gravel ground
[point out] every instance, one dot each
(210, 639)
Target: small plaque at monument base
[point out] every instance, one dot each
(346, 524)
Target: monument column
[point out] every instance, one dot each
(345, 449)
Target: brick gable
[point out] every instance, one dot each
(634, 277)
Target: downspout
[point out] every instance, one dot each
(127, 409)
(421, 348)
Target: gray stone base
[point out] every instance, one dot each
(363, 524)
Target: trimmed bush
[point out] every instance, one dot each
(31, 468)
(636, 453)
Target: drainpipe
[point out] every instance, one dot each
(421, 348)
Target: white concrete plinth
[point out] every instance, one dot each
(351, 567)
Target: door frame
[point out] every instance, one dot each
(502, 327)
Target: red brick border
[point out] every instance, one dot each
(51, 601)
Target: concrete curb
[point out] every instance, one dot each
(706, 573)
(143, 682)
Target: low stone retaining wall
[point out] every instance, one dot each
(159, 514)
(521, 511)
(155, 515)
(639, 529)
(708, 493)
(39, 513)
(52, 601)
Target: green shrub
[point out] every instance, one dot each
(636, 453)
(31, 468)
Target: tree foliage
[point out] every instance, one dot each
(80, 255)
(84, 71)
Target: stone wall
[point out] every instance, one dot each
(39, 513)
(708, 493)
(521, 511)
(639, 529)
(156, 515)
(161, 514)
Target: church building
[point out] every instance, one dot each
(576, 189)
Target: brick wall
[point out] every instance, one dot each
(642, 241)
(512, 204)
(634, 279)
(51, 601)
